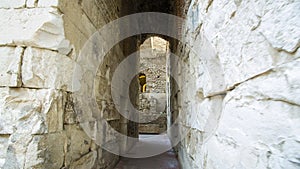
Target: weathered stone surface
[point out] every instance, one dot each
(34, 155)
(106, 159)
(10, 59)
(31, 3)
(55, 147)
(70, 116)
(30, 111)
(78, 26)
(92, 10)
(87, 161)
(231, 33)
(3, 146)
(155, 102)
(208, 113)
(248, 51)
(78, 144)
(40, 27)
(31, 124)
(12, 3)
(281, 26)
(149, 128)
(16, 151)
(152, 116)
(47, 3)
(28, 151)
(206, 69)
(258, 126)
(260, 123)
(47, 69)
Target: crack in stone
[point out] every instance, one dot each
(279, 100)
(208, 5)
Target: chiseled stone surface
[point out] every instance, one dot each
(3, 146)
(10, 59)
(12, 3)
(87, 161)
(78, 144)
(34, 151)
(29, 121)
(31, 3)
(40, 27)
(48, 3)
(259, 127)
(31, 111)
(281, 26)
(47, 69)
(243, 108)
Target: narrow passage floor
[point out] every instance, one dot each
(166, 160)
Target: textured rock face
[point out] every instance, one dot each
(10, 66)
(40, 27)
(47, 69)
(262, 131)
(243, 108)
(39, 44)
(153, 117)
(31, 111)
(29, 118)
(12, 3)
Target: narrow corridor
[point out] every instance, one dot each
(165, 160)
(80, 80)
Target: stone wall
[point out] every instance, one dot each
(34, 93)
(40, 42)
(241, 85)
(153, 117)
(238, 92)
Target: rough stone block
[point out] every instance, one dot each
(12, 3)
(92, 9)
(70, 116)
(54, 147)
(30, 111)
(260, 122)
(78, 144)
(47, 3)
(243, 54)
(87, 161)
(3, 146)
(238, 43)
(47, 69)
(17, 150)
(39, 151)
(281, 26)
(40, 27)
(207, 115)
(10, 59)
(31, 3)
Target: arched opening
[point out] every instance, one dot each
(152, 99)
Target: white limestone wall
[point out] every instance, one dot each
(39, 43)
(33, 52)
(241, 96)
